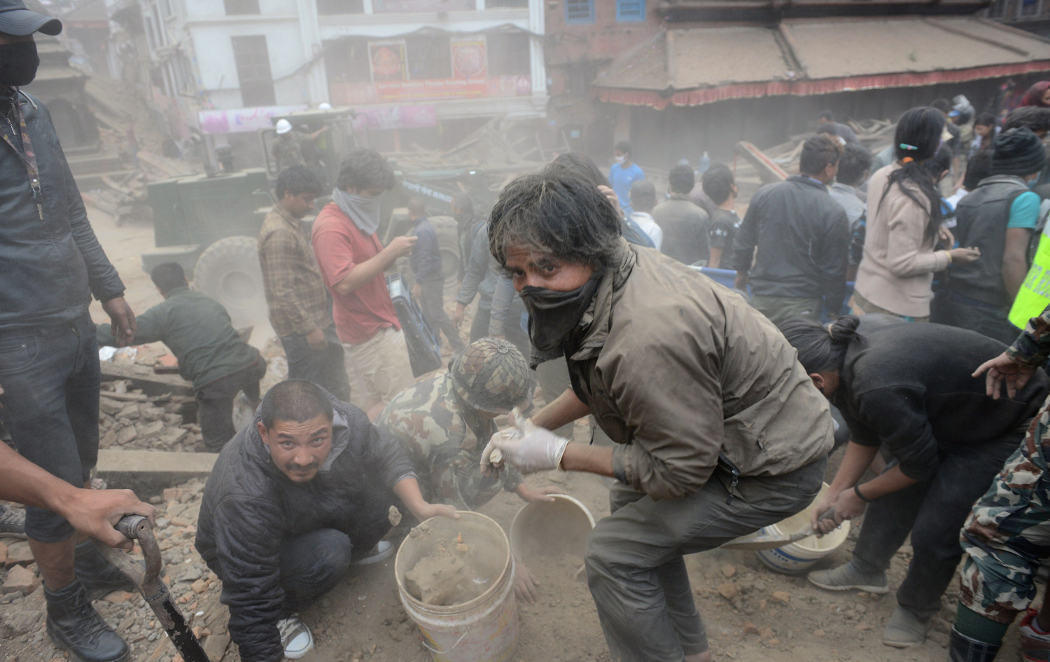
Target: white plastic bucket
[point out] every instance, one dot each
(484, 629)
(544, 528)
(799, 556)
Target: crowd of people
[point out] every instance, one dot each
(890, 288)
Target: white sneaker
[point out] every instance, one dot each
(295, 637)
(381, 552)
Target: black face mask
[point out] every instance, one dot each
(553, 315)
(18, 63)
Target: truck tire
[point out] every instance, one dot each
(228, 271)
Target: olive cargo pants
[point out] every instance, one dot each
(635, 568)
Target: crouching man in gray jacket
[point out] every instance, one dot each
(293, 500)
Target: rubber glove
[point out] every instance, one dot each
(530, 449)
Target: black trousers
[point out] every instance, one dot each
(933, 512)
(215, 403)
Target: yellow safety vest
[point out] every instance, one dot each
(1034, 294)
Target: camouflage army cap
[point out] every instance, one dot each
(492, 376)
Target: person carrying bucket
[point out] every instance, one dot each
(718, 430)
(909, 389)
(294, 499)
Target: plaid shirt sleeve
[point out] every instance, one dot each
(279, 257)
(1032, 347)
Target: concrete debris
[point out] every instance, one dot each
(20, 579)
(18, 553)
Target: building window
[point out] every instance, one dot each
(579, 11)
(508, 54)
(429, 57)
(517, 4)
(997, 9)
(347, 61)
(336, 7)
(253, 71)
(630, 10)
(234, 7)
(1029, 8)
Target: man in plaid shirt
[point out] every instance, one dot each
(300, 311)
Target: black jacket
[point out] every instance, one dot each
(802, 236)
(250, 508)
(51, 267)
(909, 386)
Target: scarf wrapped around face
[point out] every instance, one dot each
(363, 211)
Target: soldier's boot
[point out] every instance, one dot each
(964, 649)
(73, 624)
(97, 574)
(1035, 644)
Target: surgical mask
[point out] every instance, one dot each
(619, 159)
(362, 210)
(553, 314)
(18, 63)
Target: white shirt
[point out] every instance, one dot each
(648, 225)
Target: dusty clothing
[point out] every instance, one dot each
(781, 309)
(444, 438)
(1006, 537)
(53, 265)
(860, 306)
(432, 303)
(292, 280)
(851, 199)
(899, 260)
(425, 259)
(685, 228)
(802, 237)
(724, 224)
(340, 246)
(378, 368)
(909, 387)
(250, 510)
(325, 367)
(288, 151)
(215, 403)
(982, 219)
(198, 331)
(729, 381)
(634, 562)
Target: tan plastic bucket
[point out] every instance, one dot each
(548, 528)
(483, 629)
(799, 556)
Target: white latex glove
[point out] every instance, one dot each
(529, 448)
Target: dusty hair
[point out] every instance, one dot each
(818, 152)
(364, 169)
(821, 348)
(558, 213)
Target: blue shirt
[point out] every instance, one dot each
(1024, 211)
(621, 179)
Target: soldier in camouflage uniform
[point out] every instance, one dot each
(444, 423)
(1007, 533)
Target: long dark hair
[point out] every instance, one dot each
(821, 348)
(917, 138)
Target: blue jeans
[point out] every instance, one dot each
(323, 367)
(50, 376)
(311, 564)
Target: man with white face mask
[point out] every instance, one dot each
(352, 261)
(49, 373)
(998, 217)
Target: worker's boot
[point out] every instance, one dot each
(964, 649)
(97, 574)
(73, 624)
(905, 629)
(1035, 644)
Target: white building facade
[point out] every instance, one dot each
(401, 64)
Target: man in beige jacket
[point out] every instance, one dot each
(718, 430)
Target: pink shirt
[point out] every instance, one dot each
(340, 246)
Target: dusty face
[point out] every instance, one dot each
(982, 130)
(530, 267)
(298, 205)
(298, 448)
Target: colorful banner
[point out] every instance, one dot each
(354, 94)
(241, 120)
(388, 60)
(468, 58)
(388, 6)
